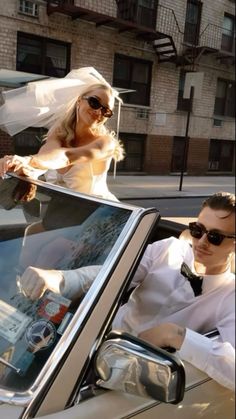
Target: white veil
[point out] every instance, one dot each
(40, 103)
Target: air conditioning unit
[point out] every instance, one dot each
(29, 8)
(217, 122)
(142, 113)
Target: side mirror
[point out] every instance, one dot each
(126, 363)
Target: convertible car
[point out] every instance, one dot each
(61, 358)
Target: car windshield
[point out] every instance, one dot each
(45, 228)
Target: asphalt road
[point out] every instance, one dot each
(171, 207)
(137, 187)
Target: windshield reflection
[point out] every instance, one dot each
(47, 230)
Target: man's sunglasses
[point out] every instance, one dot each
(198, 230)
(95, 103)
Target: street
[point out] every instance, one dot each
(126, 187)
(171, 207)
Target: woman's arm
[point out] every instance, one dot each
(53, 156)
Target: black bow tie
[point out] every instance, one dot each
(195, 280)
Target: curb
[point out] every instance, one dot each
(163, 197)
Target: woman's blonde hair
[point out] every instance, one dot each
(64, 128)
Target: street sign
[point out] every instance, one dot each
(193, 79)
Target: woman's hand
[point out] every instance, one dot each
(15, 163)
(34, 282)
(165, 335)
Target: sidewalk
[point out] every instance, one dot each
(168, 186)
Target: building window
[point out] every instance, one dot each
(182, 104)
(178, 151)
(142, 113)
(221, 156)
(132, 73)
(227, 43)
(28, 8)
(29, 141)
(192, 22)
(143, 12)
(225, 98)
(134, 149)
(42, 55)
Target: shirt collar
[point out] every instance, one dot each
(211, 282)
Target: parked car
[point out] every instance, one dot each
(61, 359)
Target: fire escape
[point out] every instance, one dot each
(156, 25)
(131, 17)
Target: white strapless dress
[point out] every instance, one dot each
(81, 178)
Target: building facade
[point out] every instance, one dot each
(155, 49)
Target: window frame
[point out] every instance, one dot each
(227, 103)
(133, 98)
(42, 45)
(193, 40)
(135, 11)
(29, 8)
(227, 41)
(181, 145)
(29, 141)
(216, 165)
(135, 156)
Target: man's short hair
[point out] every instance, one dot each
(221, 201)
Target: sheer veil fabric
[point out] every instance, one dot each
(41, 103)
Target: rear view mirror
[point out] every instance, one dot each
(128, 364)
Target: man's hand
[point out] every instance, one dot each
(34, 282)
(164, 335)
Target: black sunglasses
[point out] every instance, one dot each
(197, 231)
(95, 103)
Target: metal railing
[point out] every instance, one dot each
(136, 12)
(167, 23)
(164, 20)
(61, 2)
(217, 37)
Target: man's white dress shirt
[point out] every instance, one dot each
(162, 294)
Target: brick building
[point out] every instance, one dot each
(149, 47)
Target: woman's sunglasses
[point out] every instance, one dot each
(94, 103)
(197, 231)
